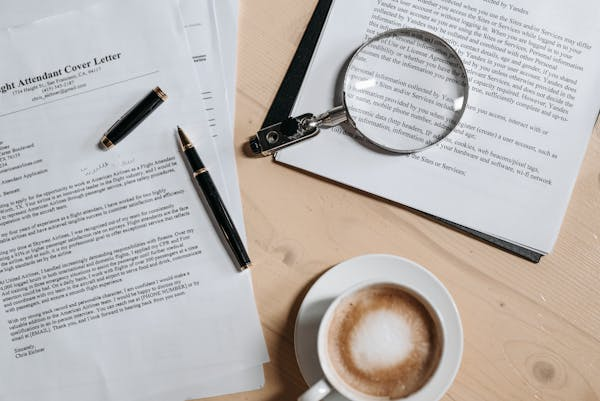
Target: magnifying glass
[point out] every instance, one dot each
(404, 91)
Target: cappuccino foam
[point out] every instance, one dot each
(383, 341)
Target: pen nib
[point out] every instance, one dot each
(184, 140)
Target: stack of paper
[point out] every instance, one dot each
(114, 283)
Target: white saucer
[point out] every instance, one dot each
(368, 268)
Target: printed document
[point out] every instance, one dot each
(109, 264)
(201, 33)
(509, 168)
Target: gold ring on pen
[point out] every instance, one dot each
(200, 171)
(107, 143)
(162, 95)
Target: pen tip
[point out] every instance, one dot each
(183, 139)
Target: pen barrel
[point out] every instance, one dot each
(222, 217)
(135, 116)
(194, 160)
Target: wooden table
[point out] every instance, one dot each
(532, 332)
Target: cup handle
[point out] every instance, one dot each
(317, 392)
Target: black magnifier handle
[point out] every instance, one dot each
(294, 129)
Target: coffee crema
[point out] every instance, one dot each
(384, 342)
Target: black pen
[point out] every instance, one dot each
(200, 173)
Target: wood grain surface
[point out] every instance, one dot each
(532, 332)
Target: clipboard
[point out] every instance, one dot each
(286, 97)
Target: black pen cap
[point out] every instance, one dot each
(132, 118)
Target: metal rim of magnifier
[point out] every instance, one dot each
(406, 32)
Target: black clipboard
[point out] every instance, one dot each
(286, 97)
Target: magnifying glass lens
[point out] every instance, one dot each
(405, 91)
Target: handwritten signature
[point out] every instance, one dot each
(106, 165)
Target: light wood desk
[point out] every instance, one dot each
(532, 332)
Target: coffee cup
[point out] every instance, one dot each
(382, 340)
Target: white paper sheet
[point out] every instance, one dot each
(88, 119)
(518, 183)
(170, 387)
(226, 14)
(201, 27)
(235, 383)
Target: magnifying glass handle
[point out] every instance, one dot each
(331, 118)
(294, 129)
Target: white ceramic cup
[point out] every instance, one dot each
(451, 350)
